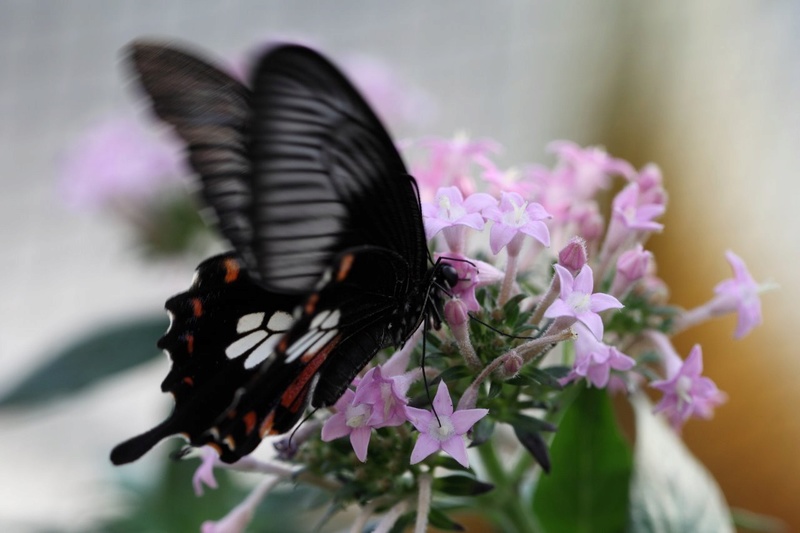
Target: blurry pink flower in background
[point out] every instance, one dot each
(118, 160)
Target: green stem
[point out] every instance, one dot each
(506, 504)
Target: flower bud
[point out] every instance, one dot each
(573, 256)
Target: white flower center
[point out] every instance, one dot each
(517, 217)
(448, 211)
(445, 431)
(579, 301)
(683, 388)
(358, 415)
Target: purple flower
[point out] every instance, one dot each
(450, 160)
(740, 294)
(594, 360)
(386, 395)
(590, 167)
(350, 419)
(577, 301)
(687, 393)
(449, 211)
(447, 432)
(513, 218)
(204, 475)
(631, 267)
(573, 256)
(509, 180)
(118, 161)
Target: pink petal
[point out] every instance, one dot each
(600, 302)
(335, 427)
(456, 448)
(500, 236)
(425, 446)
(359, 438)
(464, 419)
(593, 322)
(419, 418)
(584, 281)
(442, 401)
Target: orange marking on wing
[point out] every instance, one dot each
(311, 303)
(344, 267)
(189, 381)
(197, 307)
(295, 391)
(249, 422)
(283, 344)
(217, 447)
(231, 270)
(266, 425)
(189, 344)
(229, 440)
(231, 414)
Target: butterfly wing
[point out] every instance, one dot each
(326, 174)
(297, 170)
(223, 329)
(211, 112)
(339, 330)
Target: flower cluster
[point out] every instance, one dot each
(551, 273)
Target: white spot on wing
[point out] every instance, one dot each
(249, 322)
(240, 346)
(318, 319)
(280, 321)
(263, 352)
(332, 321)
(320, 344)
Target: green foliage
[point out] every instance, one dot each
(88, 361)
(587, 489)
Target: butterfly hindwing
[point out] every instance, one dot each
(222, 330)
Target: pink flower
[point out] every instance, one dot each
(515, 217)
(204, 475)
(573, 256)
(509, 180)
(118, 160)
(740, 294)
(631, 267)
(386, 395)
(447, 432)
(687, 393)
(350, 419)
(449, 211)
(591, 167)
(577, 301)
(594, 360)
(450, 160)
(630, 209)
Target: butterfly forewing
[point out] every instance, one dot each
(327, 176)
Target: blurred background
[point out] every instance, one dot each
(708, 90)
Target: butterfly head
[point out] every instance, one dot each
(443, 277)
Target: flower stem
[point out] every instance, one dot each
(506, 503)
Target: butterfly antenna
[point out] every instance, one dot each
(503, 333)
(424, 375)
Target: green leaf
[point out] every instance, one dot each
(670, 490)
(440, 520)
(461, 485)
(88, 361)
(587, 489)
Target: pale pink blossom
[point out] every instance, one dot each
(350, 419)
(513, 218)
(445, 433)
(594, 360)
(452, 213)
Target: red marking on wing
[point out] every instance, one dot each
(311, 303)
(293, 398)
(266, 425)
(188, 380)
(197, 307)
(249, 422)
(189, 343)
(216, 447)
(231, 270)
(344, 267)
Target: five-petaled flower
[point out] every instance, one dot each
(443, 431)
(451, 212)
(594, 360)
(350, 419)
(740, 293)
(687, 393)
(513, 218)
(577, 301)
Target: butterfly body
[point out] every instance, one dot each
(330, 262)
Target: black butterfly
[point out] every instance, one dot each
(330, 262)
